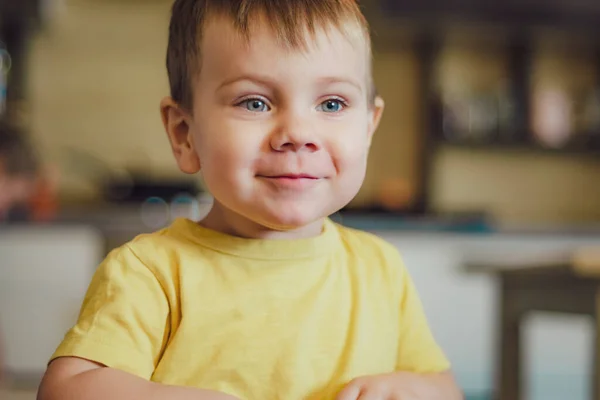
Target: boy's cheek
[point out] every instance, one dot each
(350, 155)
(226, 137)
(352, 138)
(223, 156)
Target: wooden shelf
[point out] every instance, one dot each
(520, 14)
(570, 149)
(515, 27)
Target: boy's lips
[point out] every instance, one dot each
(292, 181)
(291, 176)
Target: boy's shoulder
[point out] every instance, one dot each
(155, 250)
(374, 258)
(158, 253)
(368, 244)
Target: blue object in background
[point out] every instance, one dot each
(382, 222)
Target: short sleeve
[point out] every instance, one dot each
(123, 322)
(418, 351)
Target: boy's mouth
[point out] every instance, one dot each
(292, 176)
(291, 181)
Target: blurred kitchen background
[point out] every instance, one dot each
(488, 158)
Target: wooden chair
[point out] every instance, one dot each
(568, 283)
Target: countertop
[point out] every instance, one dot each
(140, 218)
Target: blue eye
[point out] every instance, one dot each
(332, 106)
(255, 105)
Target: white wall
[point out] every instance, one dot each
(44, 273)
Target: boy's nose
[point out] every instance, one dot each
(295, 136)
(293, 145)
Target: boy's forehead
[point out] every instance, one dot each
(225, 49)
(295, 36)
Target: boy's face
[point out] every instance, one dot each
(281, 135)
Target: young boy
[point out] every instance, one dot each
(265, 298)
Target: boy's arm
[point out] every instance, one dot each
(77, 379)
(403, 386)
(120, 335)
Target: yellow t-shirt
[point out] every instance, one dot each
(258, 319)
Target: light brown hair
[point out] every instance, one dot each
(289, 19)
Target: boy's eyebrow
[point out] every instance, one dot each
(265, 81)
(262, 80)
(330, 80)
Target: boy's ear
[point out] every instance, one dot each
(177, 124)
(375, 116)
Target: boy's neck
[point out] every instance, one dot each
(222, 220)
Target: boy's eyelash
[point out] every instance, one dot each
(335, 98)
(343, 101)
(251, 98)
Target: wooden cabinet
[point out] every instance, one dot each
(580, 14)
